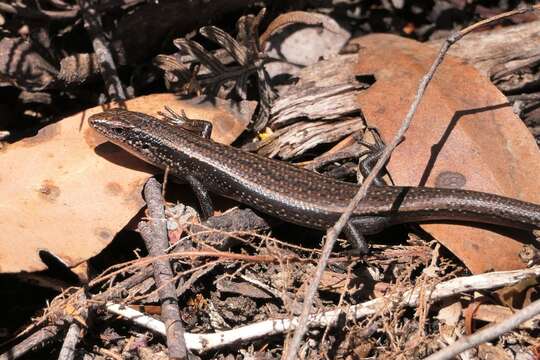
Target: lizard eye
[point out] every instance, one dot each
(118, 130)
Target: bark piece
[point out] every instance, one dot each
(493, 51)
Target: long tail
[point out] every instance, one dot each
(416, 204)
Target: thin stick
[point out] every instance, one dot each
(488, 333)
(76, 330)
(34, 341)
(332, 233)
(154, 233)
(73, 337)
(223, 255)
(495, 18)
(212, 341)
(92, 22)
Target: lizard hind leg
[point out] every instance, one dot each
(357, 227)
(356, 239)
(205, 202)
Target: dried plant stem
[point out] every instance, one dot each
(77, 329)
(224, 255)
(39, 338)
(495, 18)
(488, 333)
(107, 65)
(71, 340)
(212, 341)
(154, 233)
(332, 233)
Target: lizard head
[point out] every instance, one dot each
(117, 125)
(130, 130)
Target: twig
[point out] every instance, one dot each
(39, 338)
(39, 14)
(109, 353)
(71, 340)
(224, 255)
(261, 285)
(332, 233)
(495, 18)
(154, 233)
(172, 280)
(92, 22)
(139, 318)
(345, 291)
(298, 17)
(126, 284)
(196, 276)
(211, 341)
(76, 331)
(488, 333)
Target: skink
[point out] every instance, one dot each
(293, 194)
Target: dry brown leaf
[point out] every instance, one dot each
(515, 296)
(62, 197)
(463, 135)
(491, 352)
(492, 313)
(497, 313)
(450, 314)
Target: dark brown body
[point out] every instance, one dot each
(297, 195)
